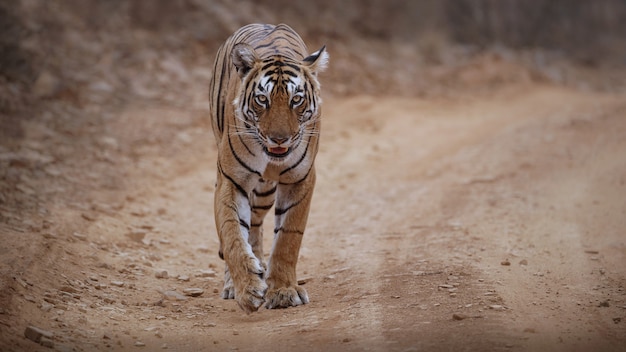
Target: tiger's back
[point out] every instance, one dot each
(265, 114)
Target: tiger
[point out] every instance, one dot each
(265, 109)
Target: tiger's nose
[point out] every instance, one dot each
(278, 140)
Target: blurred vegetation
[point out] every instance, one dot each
(58, 47)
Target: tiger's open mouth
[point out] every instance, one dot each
(277, 152)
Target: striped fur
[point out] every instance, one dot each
(265, 114)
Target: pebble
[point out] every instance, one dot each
(173, 295)
(88, 217)
(496, 307)
(523, 262)
(46, 307)
(505, 262)
(160, 274)
(117, 283)
(79, 236)
(137, 235)
(140, 344)
(46, 85)
(36, 334)
(193, 291)
(68, 289)
(183, 278)
(446, 286)
(459, 316)
(304, 280)
(206, 273)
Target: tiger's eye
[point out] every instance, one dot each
(261, 99)
(296, 100)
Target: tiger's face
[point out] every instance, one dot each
(279, 102)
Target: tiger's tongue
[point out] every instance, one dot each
(278, 150)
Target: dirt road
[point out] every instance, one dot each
(485, 222)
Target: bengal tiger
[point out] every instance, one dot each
(265, 111)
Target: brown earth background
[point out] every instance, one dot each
(471, 191)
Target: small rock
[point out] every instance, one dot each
(592, 251)
(36, 334)
(206, 273)
(160, 274)
(68, 289)
(604, 304)
(139, 344)
(459, 316)
(88, 217)
(193, 291)
(46, 307)
(183, 278)
(305, 280)
(446, 286)
(617, 320)
(496, 307)
(173, 296)
(30, 298)
(117, 283)
(523, 262)
(505, 262)
(137, 235)
(79, 236)
(164, 346)
(204, 249)
(46, 342)
(46, 85)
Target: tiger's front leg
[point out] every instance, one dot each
(244, 271)
(292, 210)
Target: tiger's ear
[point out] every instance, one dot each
(244, 57)
(318, 61)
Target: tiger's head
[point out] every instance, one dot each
(278, 101)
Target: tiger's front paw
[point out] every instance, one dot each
(249, 286)
(284, 297)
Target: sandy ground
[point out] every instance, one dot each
(491, 221)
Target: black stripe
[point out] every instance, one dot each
(244, 224)
(230, 144)
(293, 66)
(263, 207)
(257, 225)
(281, 211)
(276, 230)
(238, 186)
(300, 180)
(270, 43)
(264, 194)
(245, 145)
(306, 151)
(220, 103)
